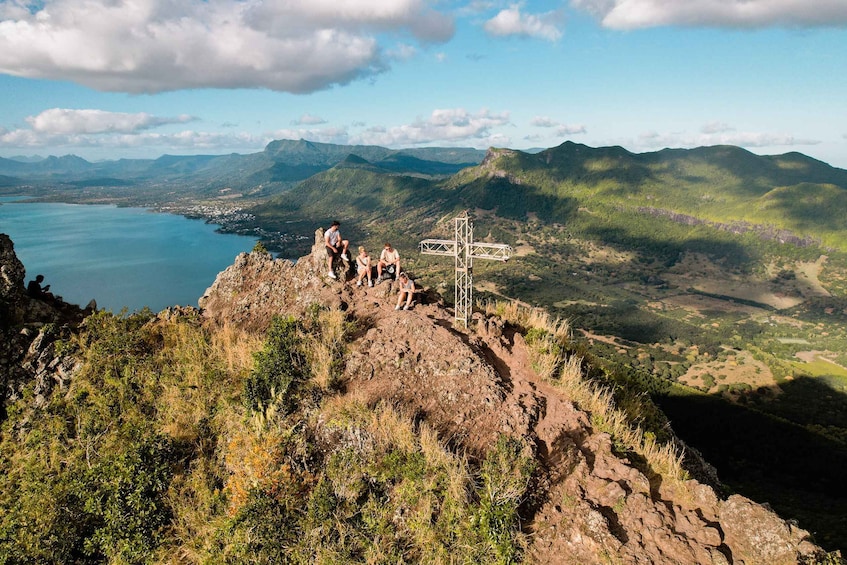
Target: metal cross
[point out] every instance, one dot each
(465, 250)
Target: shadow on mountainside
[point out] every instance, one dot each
(795, 469)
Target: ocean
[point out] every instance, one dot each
(121, 257)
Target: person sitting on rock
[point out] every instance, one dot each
(35, 290)
(389, 259)
(407, 292)
(335, 247)
(363, 267)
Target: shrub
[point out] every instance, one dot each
(126, 495)
(504, 478)
(279, 366)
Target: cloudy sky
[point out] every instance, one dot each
(107, 79)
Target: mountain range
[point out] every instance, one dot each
(281, 164)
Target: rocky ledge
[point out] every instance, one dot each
(29, 328)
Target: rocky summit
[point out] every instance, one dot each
(590, 505)
(586, 502)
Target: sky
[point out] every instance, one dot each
(110, 79)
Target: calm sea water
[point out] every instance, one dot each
(121, 257)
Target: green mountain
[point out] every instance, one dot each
(721, 184)
(282, 164)
(789, 197)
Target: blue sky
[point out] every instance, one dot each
(106, 79)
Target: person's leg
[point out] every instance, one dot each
(409, 296)
(330, 255)
(379, 267)
(399, 300)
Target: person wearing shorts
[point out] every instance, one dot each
(406, 292)
(388, 258)
(335, 247)
(363, 267)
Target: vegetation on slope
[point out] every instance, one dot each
(175, 441)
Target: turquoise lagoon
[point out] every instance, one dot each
(121, 257)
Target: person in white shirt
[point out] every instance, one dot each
(363, 267)
(388, 258)
(335, 247)
(406, 292)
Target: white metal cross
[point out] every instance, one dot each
(465, 250)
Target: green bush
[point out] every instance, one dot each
(126, 497)
(504, 478)
(279, 366)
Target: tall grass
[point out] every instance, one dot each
(326, 347)
(547, 339)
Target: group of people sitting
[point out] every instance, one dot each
(389, 262)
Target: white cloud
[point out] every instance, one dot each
(561, 129)
(70, 122)
(308, 119)
(632, 14)
(544, 122)
(570, 129)
(145, 46)
(89, 128)
(402, 52)
(716, 127)
(653, 139)
(186, 141)
(511, 21)
(446, 126)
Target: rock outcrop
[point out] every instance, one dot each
(591, 506)
(29, 327)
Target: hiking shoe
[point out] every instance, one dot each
(370, 283)
(406, 307)
(345, 257)
(331, 275)
(397, 307)
(358, 283)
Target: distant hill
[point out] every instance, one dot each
(282, 164)
(717, 184)
(720, 185)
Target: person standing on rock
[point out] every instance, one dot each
(335, 246)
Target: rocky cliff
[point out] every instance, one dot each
(591, 505)
(29, 327)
